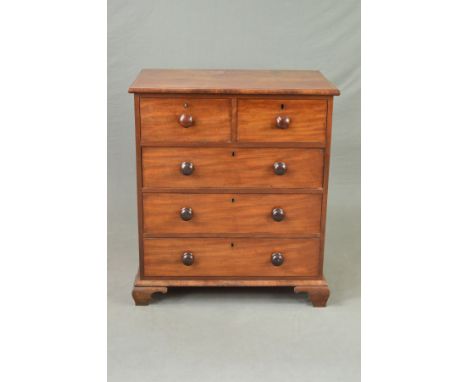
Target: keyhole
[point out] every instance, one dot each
(233, 153)
(282, 106)
(232, 245)
(233, 200)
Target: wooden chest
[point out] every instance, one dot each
(232, 179)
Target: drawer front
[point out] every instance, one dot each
(232, 213)
(236, 257)
(257, 120)
(223, 167)
(205, 120)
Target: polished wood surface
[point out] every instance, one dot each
(225, 281)
(257, 120)
(326, 172)
(143, 295)
(232, 213)
(231, 257)
(143, 291)
(230, 127)
(318, 295)
(139, 179)
(300, 82)
(225, 167)
(160, 119)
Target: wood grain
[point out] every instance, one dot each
(142, 295)
(231, 281)
(326, 171)
(237, 257)
(225, 167)
(257, 120)
(136, 105)
(160, 119)
(302, 82)
(233, 144)
(318, 295)
(218, 214)
(237, 190)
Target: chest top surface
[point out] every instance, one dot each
(298, 82)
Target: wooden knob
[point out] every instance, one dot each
(187, 258)
(187, 168)
(282, 122)
(277, 214)
(186, 120)
(186, 213)
(277, 259)
(280, 168)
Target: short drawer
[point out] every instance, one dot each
(276, 120)
(171, 213)
(224, 167)
(185, 120)
(187, 257)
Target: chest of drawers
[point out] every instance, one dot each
(232, 178)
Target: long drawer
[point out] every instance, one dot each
(193, 257)
(226, 167)
(294, 215)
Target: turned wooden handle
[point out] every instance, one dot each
(187, 168)
(186, 213)
(283, 122)
(277, 259)
(186, 120)
(280, 168)
(187, 258)
(277, 214)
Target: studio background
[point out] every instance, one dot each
(235, 334)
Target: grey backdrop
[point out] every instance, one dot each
(232, 335)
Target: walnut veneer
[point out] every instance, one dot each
(232, 177)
